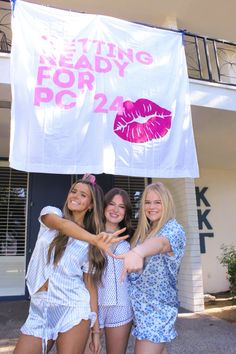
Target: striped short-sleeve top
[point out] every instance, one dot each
(65, 280)
(111, 290)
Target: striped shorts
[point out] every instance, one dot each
(46, 320)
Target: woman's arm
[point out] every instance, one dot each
(95, 345)
(152, 246)
(133, 260)
(69, 228)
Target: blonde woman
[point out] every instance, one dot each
(153, 264)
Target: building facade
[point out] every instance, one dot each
(205, 206)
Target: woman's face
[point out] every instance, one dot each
(153, 206)
(115, 210)
(79, 198)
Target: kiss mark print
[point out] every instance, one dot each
(142, 121)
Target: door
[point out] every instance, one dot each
(44, 189)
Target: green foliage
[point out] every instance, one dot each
(228, 260)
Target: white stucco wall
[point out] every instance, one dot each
(203, 273)
(190, 277)
(221, 195)
(190, 283)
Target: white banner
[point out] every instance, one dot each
(97, 94)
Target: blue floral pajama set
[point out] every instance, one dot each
(153, 292)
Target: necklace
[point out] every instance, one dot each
(111, 231)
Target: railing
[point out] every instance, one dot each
(5, 27)
(208, 59)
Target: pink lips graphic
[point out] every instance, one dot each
(129, 126)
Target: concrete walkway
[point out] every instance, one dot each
(198, 333)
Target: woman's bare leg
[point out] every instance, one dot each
(73, 341)
(117, 338)
(87, 349)
(164, 351)
(30, 345)
(145, 346)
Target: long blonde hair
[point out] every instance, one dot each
(144, 229)
(93, 223)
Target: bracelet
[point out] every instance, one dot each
(133, 250)
(95, 332)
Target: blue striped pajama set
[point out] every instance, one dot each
(67, 300)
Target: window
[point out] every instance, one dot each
(13, 198)
(134, 186)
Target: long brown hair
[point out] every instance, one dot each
(93, 223)
(126, 222)
(144, 230)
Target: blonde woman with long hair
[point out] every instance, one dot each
(62, 274)
(153, 265)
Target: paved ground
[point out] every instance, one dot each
(198, 333)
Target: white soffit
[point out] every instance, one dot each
(207, 94)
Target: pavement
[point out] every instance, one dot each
(198, 333)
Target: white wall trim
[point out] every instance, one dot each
(208, 94)
(5, 68)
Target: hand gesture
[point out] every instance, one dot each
(104, 240)
(133, 262)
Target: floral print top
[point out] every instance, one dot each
(157, 283)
